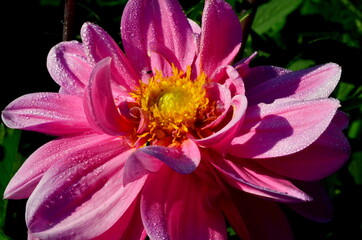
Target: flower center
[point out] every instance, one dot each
(173, 104)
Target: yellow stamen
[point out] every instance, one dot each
(173, 103)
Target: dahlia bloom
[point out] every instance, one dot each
(169, 140)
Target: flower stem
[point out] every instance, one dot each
(68, 19)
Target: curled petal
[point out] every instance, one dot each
(164, 52)
(183, 159)
(49, 113)
(76, 195)
(230, 77)
(31, 172)
(69, 67)
(221, 36)
(308, 84)
(99, 45)
(219, 94)
(222, 138)
(283, 127)
(160, 205)
(100, 105)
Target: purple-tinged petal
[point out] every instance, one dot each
(341, 120)
(282, 128)
(321, 159)
(256, 218)
(99, 45)
(69, 67)
(75, 197)
(183, 159)
(33, 169)
(250, 177)
(221, 36)
(308, 84)
(181, 212)
(49, 113)
(99, 103)
(260, 74)
(242, 66)
(222, 138)
(320, 209)
(161, 21)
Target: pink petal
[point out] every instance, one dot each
(222, 138)
(283, 127)
(250, 177)
(99, 103)
(260, 74)
(129, 226)
(184, 160)
(162, 22)
(31, 237)
(221, 36)
(255, 218)
(76, 196)
(312, 83)
(321, 159)
(196, 29)
(99, 45)
(69, 67)
(164, 52)
(228, 76)
(49, 113)
(31, 172)
(177, 208)
(221, 95)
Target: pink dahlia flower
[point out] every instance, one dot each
(169, 140)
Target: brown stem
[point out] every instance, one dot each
(68, 19)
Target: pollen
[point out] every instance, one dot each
(173, 104)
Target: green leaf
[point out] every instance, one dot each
(344, 12)
(54, 3)
(271, 16)
(110, 3)
(344, 90)
(3, 236)
(9, 164)
(299, 64)
(355, 167)
(355, 129)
